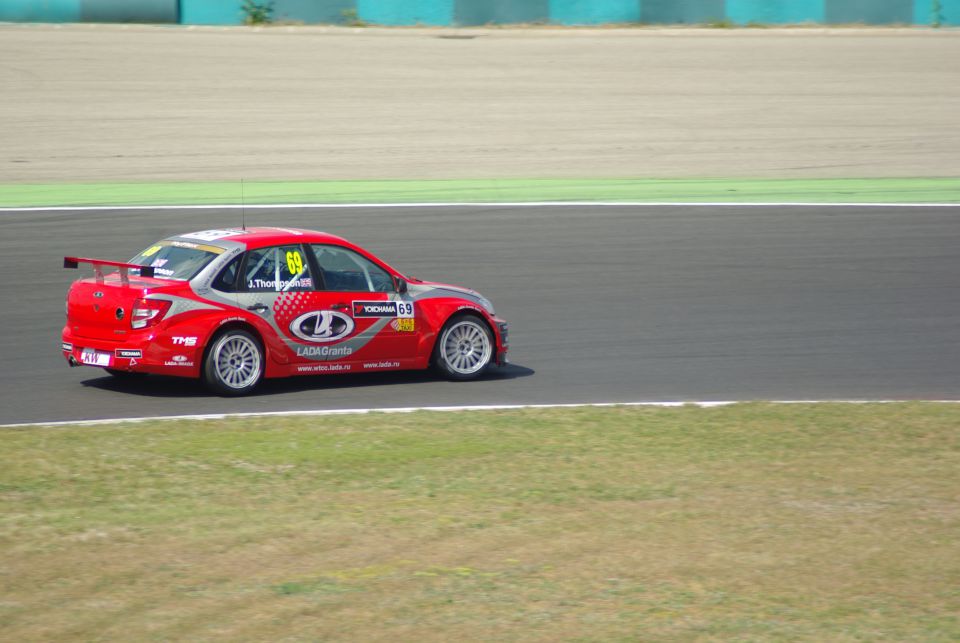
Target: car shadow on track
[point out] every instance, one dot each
(163, 386)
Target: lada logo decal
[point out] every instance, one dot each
(322, 326)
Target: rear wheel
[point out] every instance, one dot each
(465, 348)
(234, 363)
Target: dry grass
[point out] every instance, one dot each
(753, 522)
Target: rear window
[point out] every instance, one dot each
(177, 259)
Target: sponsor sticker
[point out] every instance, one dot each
(178, 360)
(128, 353)
(183, 341)
(296, 233)
(400, 309)
(381, 365)
(282, 284)
(66, 346)
(324, 351)
(324, 368)
(404, 325)
(322, 326)
(212, 235)
(93, 357)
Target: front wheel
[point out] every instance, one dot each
(465, 348)
(234, 363)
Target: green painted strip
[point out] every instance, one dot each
(895, 190)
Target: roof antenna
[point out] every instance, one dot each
(243, 207)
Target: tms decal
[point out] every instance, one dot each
(184, 341)
(322, 326)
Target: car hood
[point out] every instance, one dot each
(430, 289)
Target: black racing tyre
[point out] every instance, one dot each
(464, 349)
(234, 363)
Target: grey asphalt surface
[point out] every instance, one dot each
(606, 304)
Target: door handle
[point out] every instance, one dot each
(258, 308)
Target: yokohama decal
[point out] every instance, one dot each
(403, 309)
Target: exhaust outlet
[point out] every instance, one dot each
(73, 361)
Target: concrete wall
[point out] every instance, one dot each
(480, 12)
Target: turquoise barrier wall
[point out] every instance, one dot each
(681, 11)
(151, 11)
(405, 12)
(481, 12)
(594, 12)
(869, 11)
(40, 11)
(211, 12)
(313, 11)
(775, 12)
(949, 12)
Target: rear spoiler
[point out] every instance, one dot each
(98, 264)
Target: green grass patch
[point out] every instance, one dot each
(891, 190)
(748, 522)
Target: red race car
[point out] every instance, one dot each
(234, 306)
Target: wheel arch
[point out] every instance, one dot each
(457, 314)
(233, 325)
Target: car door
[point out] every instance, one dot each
(271, 281)
(357, 308)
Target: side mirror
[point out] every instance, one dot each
(401, 285)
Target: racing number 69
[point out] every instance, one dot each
(294, 263)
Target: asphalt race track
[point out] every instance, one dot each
(606, 304)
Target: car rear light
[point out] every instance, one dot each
(148, 312)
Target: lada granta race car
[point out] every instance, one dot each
(234, 306)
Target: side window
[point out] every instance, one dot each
(345, 270)
(226, 281)
(277, 269)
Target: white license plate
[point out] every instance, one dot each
(94, 357)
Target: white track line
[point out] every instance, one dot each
(517, 204)
(451, 409)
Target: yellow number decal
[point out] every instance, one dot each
(294, 263)
(406, 325)
(149, 252)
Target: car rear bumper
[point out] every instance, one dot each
(132, 354)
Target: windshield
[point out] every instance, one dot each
(176, 259)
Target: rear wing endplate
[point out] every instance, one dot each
(98, 264)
